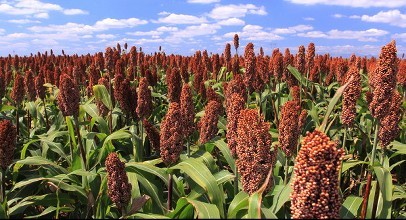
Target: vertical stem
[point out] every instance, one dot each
(285, 181)
(368, 186)
(236, 181)
(17, 121)
(46, 115)
(375, 204)
(2, 186)
(170, 190)
(188, 148)
(81, 148)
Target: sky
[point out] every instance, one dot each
(337, 27)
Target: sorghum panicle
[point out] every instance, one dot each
(384, 81)
(174, 83)
(29, 85)
(144, 101)
(208, 123)
(301, 60)
(236, 41)
(187, 110)
(119, 189)
(235, 103)
(315, 186)
(171, 135)
(8, 135)
(39, 86)
(350, 95)
(249, 63)
(288, 127)
(68, 97)
(254, 156)
(389, 128)
(152, 134)
(17, 94)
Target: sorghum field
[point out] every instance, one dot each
(125, 134)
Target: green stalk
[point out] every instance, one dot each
(343, 147)
(81, 148)
(368, 186)
(285, 181)
(170, 190)
(2, 186)
(46, 115)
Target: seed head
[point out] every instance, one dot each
(17, 94)
(289, 130)
(389, 128)
(315, 186)
(144, 101)
(208, 124)
(68, 97)
(171, 135)
(235, 103)
(29, 85)
(152, 134)
(350, 95)
(8, 133)
(39, 86)
(187, 110)
(119, 189)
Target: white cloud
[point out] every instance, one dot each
(308, 19)
(254, 33)
(231, 22)
(293, 29)
(355, 17)
(367, 35)
(338, 15)
(203, 1)
(75, 11)
(197, 30)
(35, 8)
(145, 33)
(354, 3)
(23, 21)
(105, 36)
(118, 23)
(2, 31)
(181, 19)
(392, 17)
(236, 11)
(167, 29)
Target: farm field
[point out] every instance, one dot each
(240, 134)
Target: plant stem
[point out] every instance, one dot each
(375, 204)
(2, 186)
(81, 148)
(46, 115)
(368, 186)
(236, 181)
(170, 190)
(285, 181)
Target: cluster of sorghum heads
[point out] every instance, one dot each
(254, 156)
(68, 97)
(119, 189)
(174, 84)
(389, 124)
(171, 135)
(8, 134)
(315, 186)
(350, 95)
(144, 101)
(39, 86)
(208, 124)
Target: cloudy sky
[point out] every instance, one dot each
(338, 27)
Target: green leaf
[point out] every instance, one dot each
(148, 216)
(239, 203)
(386, 189)
(152, 190)
(50, 210)
(351, 163)
(332, 104)
(91, 109)
(297, 75)
(282, 197)
(222, 146)
(255, 200)
(204, 210)
(102, 94)
(71, 130)
(349, 209)
(223, 176)
(40, 161)
(203, 177)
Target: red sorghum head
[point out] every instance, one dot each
(187, 110)
(144, 101)
(68, 97)
(8, 135)
(119, 189)
(315, 185)
(171, 135)
(254, 155)
(289, 130)
(235, 103)
(208, 123)
(17, 94)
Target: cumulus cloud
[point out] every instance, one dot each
(293, 29)
(392, 17)
(231, 22)
(254, 33)
(203, 1)
(75, 11)
(181, 19)
(167, 29)
(236, 11)
(197, 30)
(23, 21)
(145, 33)
(106, 36)
(35, 8)
(2, 31)
(401, 36)
(353, 3)
(366, 35)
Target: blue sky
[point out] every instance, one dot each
(338, 27)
